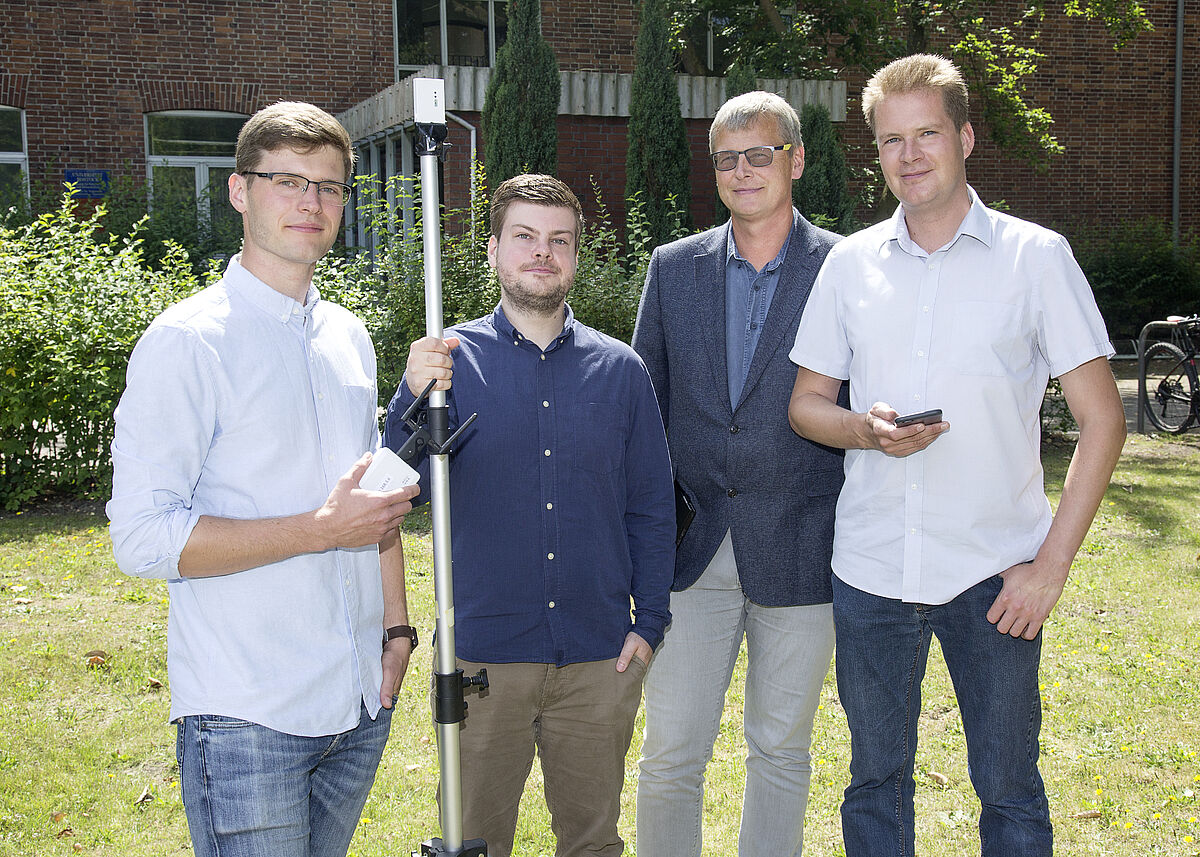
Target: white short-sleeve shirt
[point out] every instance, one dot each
(975, 328)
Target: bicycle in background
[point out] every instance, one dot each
(1170, 388)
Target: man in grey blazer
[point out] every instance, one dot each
(714, 328)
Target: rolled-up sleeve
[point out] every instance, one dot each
(165, 424)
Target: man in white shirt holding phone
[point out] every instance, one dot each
(943, 527)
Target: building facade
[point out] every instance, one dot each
(100, 91)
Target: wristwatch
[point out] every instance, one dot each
(397, 631)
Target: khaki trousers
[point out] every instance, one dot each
(579, 719)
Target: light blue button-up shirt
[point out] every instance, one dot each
(748, 295)
(243, 403)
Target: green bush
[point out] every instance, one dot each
(1138, 274)
(72, 306)
(74, 299)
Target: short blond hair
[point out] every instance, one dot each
(917, 72)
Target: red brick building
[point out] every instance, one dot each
(94, 90)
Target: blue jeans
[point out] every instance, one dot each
(882, 649)
(250, 791)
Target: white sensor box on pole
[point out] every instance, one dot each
(429, 101)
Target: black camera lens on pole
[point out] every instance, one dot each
(432, 432)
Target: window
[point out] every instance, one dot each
(448, 32)
(189, 158)
(14, 167)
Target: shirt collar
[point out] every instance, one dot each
(501, 323)
(274, 303)
(978, 223)
(731, 250)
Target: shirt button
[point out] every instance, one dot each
(549, 505)
(732, 492)
(545, 404)
(924, 309)
(550, 555)
(916, 398)
(547, 453)
(320, 397)
(551, 605)
(516, 342)
(913, 531)
(543, 356)
(734, 429)
(920, 353)
(914, 486)
(754, 325)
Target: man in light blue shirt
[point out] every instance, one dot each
(239, 446)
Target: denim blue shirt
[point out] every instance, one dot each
(748, 294)
(561, 496)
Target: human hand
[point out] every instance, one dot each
(903, 441)
(428, 360)
(395, 657)
(634, 645)
(1030, 592)
(353, 517)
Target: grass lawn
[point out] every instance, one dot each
(87, 759)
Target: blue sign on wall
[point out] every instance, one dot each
(89, 184)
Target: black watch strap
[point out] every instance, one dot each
(397, 631)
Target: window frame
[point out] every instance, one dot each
(199, 164)
(21, 158)
(403, 70)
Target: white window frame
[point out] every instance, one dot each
(199, 164)
(20, 158)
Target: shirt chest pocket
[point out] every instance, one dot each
(599, 436)
(987, 339)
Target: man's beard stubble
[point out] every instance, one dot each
(543, 303)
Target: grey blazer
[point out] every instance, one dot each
(744, 468)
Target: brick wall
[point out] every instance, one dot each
(1113, 112)
(592, 36)
(85, 72)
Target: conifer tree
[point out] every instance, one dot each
(820, 194)
(520, 107)
(658, 159)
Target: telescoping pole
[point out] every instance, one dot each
(449, 708)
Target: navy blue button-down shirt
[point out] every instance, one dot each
(561, 497)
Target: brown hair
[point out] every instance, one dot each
(538, 189)
(916, 72)
(301, 127)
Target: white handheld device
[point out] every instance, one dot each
(387, 472)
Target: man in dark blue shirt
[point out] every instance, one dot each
(563, 510)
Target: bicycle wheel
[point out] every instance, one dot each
(1170, 388)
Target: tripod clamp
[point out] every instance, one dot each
(430, 139)
(430, 426)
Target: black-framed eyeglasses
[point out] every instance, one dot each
(756, 156)
(291, 186)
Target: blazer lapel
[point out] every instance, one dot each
(709, 272)
(796, 276)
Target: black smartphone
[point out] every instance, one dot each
(926, 417)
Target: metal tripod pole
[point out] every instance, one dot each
(449, 708)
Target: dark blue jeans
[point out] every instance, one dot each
(250, 791)
(882, 649)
